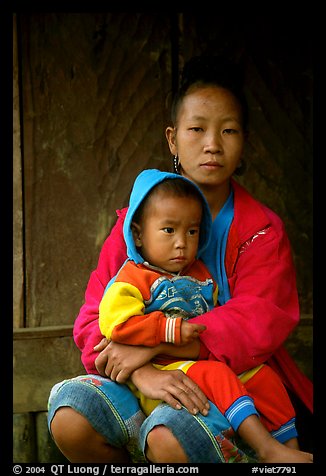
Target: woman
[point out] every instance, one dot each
(249, 257)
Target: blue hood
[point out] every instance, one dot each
(145, 181)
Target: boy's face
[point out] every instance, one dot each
(168, 234)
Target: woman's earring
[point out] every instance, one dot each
(176, 164)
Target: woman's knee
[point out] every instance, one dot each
(80, 442)
(163, 447)
(69, 427)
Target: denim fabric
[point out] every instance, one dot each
(205, 439)
(111, 409)
(114, 412)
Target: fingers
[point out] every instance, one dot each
(102, 361)
(113, 372)
(185, 391)
(196, 390)
(173, 402)
(200, 328)
(101, 345)
(100, 364)
(194, 399)
(117, 375)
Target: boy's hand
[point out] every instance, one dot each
(189, 332)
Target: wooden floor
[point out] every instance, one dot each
(32, 442)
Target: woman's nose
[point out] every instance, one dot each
(213, 143)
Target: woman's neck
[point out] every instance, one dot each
(216, 197)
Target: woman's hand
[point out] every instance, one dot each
(171, 386)
(118, 361)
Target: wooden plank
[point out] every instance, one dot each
(47, 451)
(93, 118)
(43, 332)
(24, 447)
(18, 269)
(38, 365)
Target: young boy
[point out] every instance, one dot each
(162, 284)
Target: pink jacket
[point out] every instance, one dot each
(252, 326)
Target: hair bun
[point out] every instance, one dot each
(215, 69)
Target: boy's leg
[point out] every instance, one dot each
(273, 403)
(222, 386)
(207, 439)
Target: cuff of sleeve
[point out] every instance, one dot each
(171, 331)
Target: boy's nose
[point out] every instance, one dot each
(180, 242)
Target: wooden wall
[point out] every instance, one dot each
(91, 97)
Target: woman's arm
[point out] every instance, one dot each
(86, 327)
(263, 310)
(119, 361)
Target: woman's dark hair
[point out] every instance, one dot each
(212, 70)
(176, 187)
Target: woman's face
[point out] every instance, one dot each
(208, 136)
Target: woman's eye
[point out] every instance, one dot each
(230, 131)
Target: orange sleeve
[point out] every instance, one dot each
(148, 330)
(122, 317)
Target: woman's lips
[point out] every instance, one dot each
(211, 165)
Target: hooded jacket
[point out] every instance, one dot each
(253, 325)
(145, 305)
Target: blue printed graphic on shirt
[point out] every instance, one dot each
(181, 295)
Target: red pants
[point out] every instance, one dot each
(221, 385)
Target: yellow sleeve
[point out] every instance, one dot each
(119, 303)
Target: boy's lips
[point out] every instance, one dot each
(179, 258)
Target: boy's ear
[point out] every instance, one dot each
(136, 233)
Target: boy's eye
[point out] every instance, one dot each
(196, 129)
(168, 229)
(193, 232)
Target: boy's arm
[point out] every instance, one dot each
(122, 319)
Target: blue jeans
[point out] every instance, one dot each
(114, 412)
